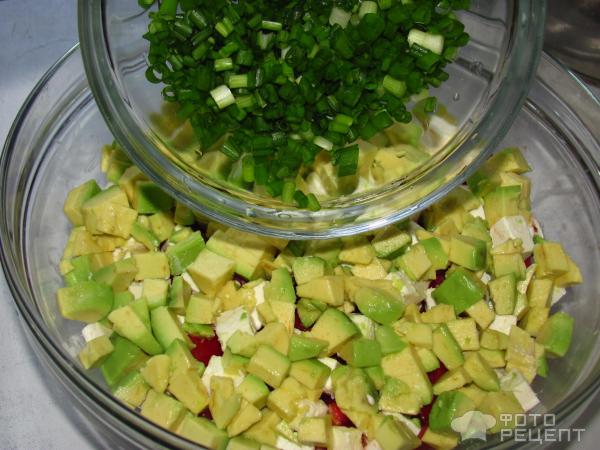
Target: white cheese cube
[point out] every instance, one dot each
(514, 382)
(512, 227)
(478, 212)
(503, 323)
(343, 438)
(523, 285)
(332, 364)
(231, 321)
(95, 330)
(285, 444)
(136, 288)
(429, 301)
(412, 426)
(309, 408)
(486, 278)
(259, 296)
(215, 368)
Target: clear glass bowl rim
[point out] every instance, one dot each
(526, 42)
(67, 368)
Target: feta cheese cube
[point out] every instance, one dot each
(429, 301)
(479, 212)
(231, 321)
(364, 324)
(523, 285)
(486, 278)
(285, 444)
(309, 408)
(412, 292)
(503, 323)
(512, 227)
(188, 279)
(136, 288)
(332, 364)
(215, 368)
(95, 330)
(259, 296)
(412, 426)
(514, 382)
(557, 294)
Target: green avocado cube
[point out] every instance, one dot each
(556, 334)
(356, 250)
(157, 371)
(224, 402)
(406, 366)
(125, 358)
(179, 295)
(389, 340)
(465, 333)
(328, 250)
(379, 305)
(76, 198)
(505, 264)
(128, 180)
(396, 396)
(211, 271)
(539, 292)
(151, 265)
(281, 287)
(446, 348)
(328, 289)
(305, 347)
(119, 275)
(415, 262)
(87, 301)
(105, 217)
(310, 372)
(501, 405)
(254, 390)
(481, 373)
(314, 431)
(242, 443)
(199, 310)
(162, 225)
(181, 357)
(361, 352)
(551, 259)
(95, 352)
(451, 381)
(127, 323)
(449, 406)
(203, 432)
(468, 252)
(155, 291)
(305, 268)
(428, 359)
(241, 343)
(247, 416)
(435, 253)
(82, 270)
(460, 289)
(165, 326)
(276, 335)
(389, 241)
(269, 365)
(501, 202)
(503, 291)
(132, 389)
(183, 215)
(184, 253)
(148, 198)
(392, 435)
(309, 311)
(376, 376)
(186, 386)
(145, 236)
(334, 327)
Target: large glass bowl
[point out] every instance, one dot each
(54, 145)
(486, 88)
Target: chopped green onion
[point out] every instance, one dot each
(248, 169)
(301, 199)
(238, 81)
(323, 143)
(393, 86)
(230, 150)
(222, 96)
(229, 49)
(339, 17)
(145, 3)
(432, 42)
(346, 160)
(197, 18)
(245, 101)
(312, 203)
(271, 25)
(223, 64)
(287, 195)
(224, 27)
(385, 4)
(367, 7)
(168, 8)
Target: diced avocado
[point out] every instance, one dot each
(503, 407)
(495, 358)
(327, 289)
(305, 347)
(187, 387)
(247, 416)
(199, 310)
(376, 376)
(254, 390)
(87, 301)
(345, 437)
(314, 430)
(210, 271)
(242, 443)
(125, 358)
(389, 241)
(465, 332)
(556, 334)
(447, 407)
(151, 265)
(572, 276)
(376, 270)
(181, 357)
(102, 216)
(81, 270)
(310, 372)
(155, 291)
(281, 287)
(269, 365)
(440, 440)
(224, 402)
(247, 250)
(335, 327)
(179, 295)
(356, 250)
(128, 180)
(197, 329)
(127, 323)
(493, 340)
(476, 394)
(276, 335)
(435, 253)
(140, 308)
(100, 260)
(446, 348)
(379, 305)
(428, 359)
(148, 198)
(396, 396)
(119, 275)
(389, 340)
(451, 380)
(203, 432)
(419, 334)
(406, 366)
(309, 311)
(166, 327)
(308, 267)
(477, 229)
(184, 253)
(132, 389)
(501, 202)
(95, 351)
(327, 250)
(157, 371)
(162, 225)
(361, 352)
(521, 353)
(509, 263)
(460, 289)
(551, 259)
(415, 262)
(539, 292)
(145, 236)
(241, 343)
(392, 435)
(183, 215)
(439, 314)
(535, 319)
(468, 252)
(264, 430)
(180, 235)
(481, 373)
(481, 313)
(77, 197)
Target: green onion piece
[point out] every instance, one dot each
(229, 49)
(341, 124)
(271, 25)
(323, 143)
(346, 160)
(182, 28)
(197, 18)
(223, 64)
(263, 40)
(245, 101)
(432, 42)
(312, 203)
(382, 120)
(244, 58)
(200, 51)
(238, 81)
(248, 169)
(222, 96)
(289, 188)
(339, 17)
(168, 8)
(230, 150)
(367, 7)
(261, 174)
(224, 27)
(145, 3)
(393, 86)
(430, 105)
(301, 199)
(385, 4)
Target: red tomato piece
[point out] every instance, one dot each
(205, 348)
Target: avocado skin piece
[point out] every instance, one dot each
(460, 289)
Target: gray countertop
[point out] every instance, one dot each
(35, 412)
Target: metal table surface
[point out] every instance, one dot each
(35, 411)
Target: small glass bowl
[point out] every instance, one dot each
(55, 143)
(487, 86)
